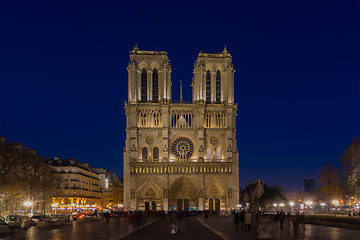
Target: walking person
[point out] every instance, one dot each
(117, 219)
(242, 220)
(248, 217)
(264, 229)
(282, 219)
(296, 223)
(288, 216)
(236, 221)
(107, 217)
(95, 214)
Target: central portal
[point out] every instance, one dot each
(183, 195)
(183, 204)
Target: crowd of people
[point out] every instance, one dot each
(264, 225)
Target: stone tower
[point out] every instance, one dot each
(180, 155)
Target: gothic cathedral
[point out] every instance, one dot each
(180, 155)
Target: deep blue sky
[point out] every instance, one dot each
(64, 78)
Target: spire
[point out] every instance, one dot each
(136, 48)
(181, 94)
(225, 51)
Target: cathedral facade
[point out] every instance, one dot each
(180, 155)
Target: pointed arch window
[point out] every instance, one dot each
(156, 153)
(218, 87)
(208, 153)
(155, 96)
(144, 154)
(143, 85)
(208, 87)
(218, 153)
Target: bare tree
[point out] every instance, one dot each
(350, 161)
(9, 159)
(330, 183)
(35, 178)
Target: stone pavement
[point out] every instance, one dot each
(224, 227)
(90, 230)
(190, 228)
(197, 227)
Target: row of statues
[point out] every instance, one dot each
(180, 169)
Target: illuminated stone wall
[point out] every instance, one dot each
(178, 154)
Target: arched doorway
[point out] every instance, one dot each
(215, 197)
(183, 194)
(149, 196)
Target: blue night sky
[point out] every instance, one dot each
(64, 77)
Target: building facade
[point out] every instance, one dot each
(78, 183)
(112, 189)
(180, 155)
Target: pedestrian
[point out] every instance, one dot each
(276, 219)
(242, 220)
(264, 229)
(117, 219)
(107, 217)
(296, 223)
(288, 216)
(282, 219)
(95, 214)
(248, 217)
(236, 221)
(138, 217)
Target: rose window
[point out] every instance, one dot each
(183, 148)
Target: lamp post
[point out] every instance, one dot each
(292, 206)
(55, 205)
(309, 205)
(336, 204)
(322, 205)
(28, 204)
(275, 207)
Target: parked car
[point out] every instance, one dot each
(19, 221)
(4, 227)
(61, 217)
(41, 217)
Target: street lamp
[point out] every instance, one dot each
(322, 205)
(275, 206)
(336, 204)
(28, 204)
(292, 204)
(55, 205)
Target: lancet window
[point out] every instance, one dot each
(215, 119)
(144, 154)
(218, 87)
(208, 153)
(155, 86)
(218, 153)
(208, 87)
(181, 119)
(143, 85)
(156, 153)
